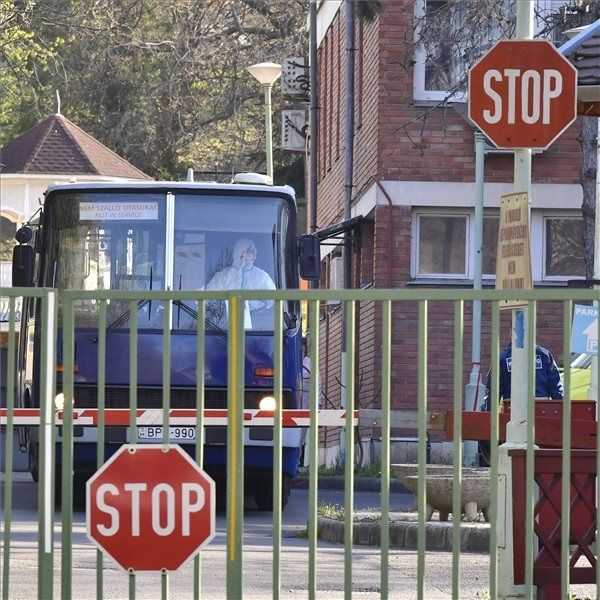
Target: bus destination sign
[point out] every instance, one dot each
(118, 211)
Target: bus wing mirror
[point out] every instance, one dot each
(22, 266)
(310, 257)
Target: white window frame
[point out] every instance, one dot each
(420, 94)
(416, 236)
(419, 91)
(538, 240)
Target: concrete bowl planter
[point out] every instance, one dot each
(475, 489)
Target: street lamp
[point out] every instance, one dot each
(267, 74)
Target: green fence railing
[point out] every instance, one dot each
(59, 308)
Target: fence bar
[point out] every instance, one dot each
(67, 451)
(313, 446)
(494, 406)
(100, 431)
(235, 448)
(457, 445)
(422, 448)
(349, 449)
(530, 465)
(200, 374)
(133, 373)
(45, 450)
(386, 365)
(166, 398)
(277, 444)
(8, 455)
(565, 524)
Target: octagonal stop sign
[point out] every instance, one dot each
(523, 94)
(150, 507)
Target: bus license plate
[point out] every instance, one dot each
(176, 434)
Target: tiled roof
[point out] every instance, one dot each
(58, 146)
(587, 61)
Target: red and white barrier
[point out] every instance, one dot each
(180, 416)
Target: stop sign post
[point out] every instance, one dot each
(523, 94)
(151, 508)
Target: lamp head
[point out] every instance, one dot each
(266, 73)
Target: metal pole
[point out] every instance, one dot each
(474, 389)
(516, 431)
(269, 130)
(593, 391)
(517, 427)
(349, 173)
(314, 115)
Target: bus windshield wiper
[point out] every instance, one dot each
(124, 316)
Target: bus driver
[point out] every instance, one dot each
(244, 275)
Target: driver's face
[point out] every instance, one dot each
(247, 257)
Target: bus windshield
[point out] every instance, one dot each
(154, 241)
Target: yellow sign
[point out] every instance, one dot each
(513, 261)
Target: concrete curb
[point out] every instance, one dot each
(403, 534)
(361, 484)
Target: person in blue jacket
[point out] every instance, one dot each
(548, 384)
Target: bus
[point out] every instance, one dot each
(168, 236)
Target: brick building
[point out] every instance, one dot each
(414, 184)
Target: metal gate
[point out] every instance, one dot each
(55, 311)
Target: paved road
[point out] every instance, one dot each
(257, 559)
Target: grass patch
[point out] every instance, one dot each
(336, 511)
(331, 511)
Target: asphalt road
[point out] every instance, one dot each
(257, 559)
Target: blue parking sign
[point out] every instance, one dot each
(584, 335)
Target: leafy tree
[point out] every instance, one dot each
(23, 56)
(164, 83)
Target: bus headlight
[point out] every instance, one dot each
(59, 401)
(267, 403)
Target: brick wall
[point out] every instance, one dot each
(394, 142)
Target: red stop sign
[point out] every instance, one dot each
(523, 94)
(149, 508)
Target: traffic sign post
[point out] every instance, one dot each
(523, 94)
(151, 508)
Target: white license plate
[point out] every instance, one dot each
(154, 433)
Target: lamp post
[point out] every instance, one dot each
(267, 74)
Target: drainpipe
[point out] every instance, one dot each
(314, 117)
(390, 260)
(474, 390)
(348, 177)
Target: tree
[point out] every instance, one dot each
(164, 83)
(23, 55)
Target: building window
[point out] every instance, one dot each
(563, 247)
(446, 53)
(338, 72)
(442, 242)
(440, 66)
(360, 74)
(490, 244)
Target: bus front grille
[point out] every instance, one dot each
(118, 397)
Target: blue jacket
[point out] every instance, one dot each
(547, 378)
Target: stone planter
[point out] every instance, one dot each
(475, 489)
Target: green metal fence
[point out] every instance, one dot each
(51, 313)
